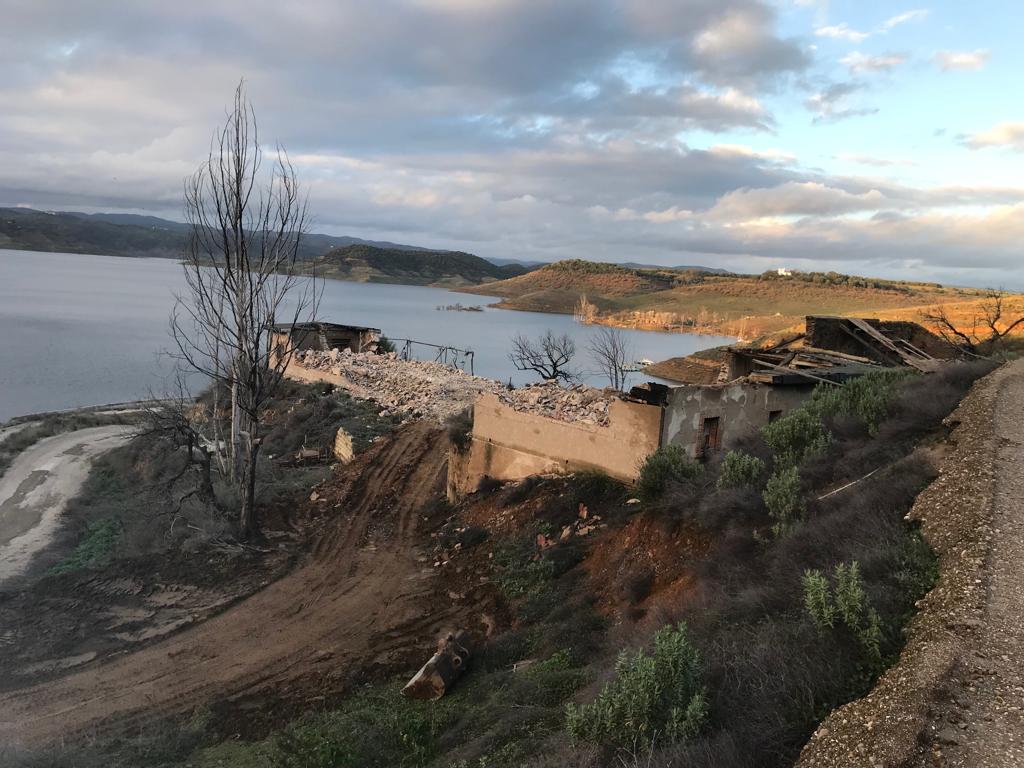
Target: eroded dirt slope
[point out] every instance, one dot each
(365, 596)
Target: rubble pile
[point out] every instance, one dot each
(412, 387)
(579, 404)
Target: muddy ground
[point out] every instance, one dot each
(366, 597)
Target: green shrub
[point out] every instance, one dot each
(818, 600)
(460, 430)
(869, 397)
(782, 497)
(796, 436)
(377, 728)
(96, 549)
(520, 572)
(847, 600)
(385, 346)
(666, 465)
(654, 697)
(740, 469)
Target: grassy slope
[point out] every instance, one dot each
(367, 264)
(744, 305)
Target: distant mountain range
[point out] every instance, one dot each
(129, 234)
(342, 257)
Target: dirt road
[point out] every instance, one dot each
(364, 595)
(37, 486)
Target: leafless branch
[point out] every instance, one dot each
(611, 353)
(549, 356)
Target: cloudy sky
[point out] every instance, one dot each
(867, 137)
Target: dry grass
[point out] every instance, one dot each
(734, 305)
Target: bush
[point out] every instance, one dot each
(783, 499)
(460, 430)
(869, 398)
(848, 601)
(796, 436)
(669, 464)
(654, 697)
(385, 346)
(95, 550)
(739, 470)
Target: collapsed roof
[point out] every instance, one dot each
(831, 349)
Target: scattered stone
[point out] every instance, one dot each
(578, 403)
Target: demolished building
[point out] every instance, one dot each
(722, 396)
(323, 337)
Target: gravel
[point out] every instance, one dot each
(406, 387)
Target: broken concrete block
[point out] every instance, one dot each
(343, 451)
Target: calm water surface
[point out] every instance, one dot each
(85, 330)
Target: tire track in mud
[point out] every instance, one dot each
(363, 594)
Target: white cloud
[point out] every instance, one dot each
(970, 61)
(858, 62)
(1006, 134)
(794, 199)
(843, 31)
(742, 150)
(902, 18)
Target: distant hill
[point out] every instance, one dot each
(747, 306)
(368, 264)
(128, 234)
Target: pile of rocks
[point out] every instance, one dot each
(579, 404)
(406, 387)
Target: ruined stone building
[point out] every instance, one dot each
(723, 395)
(324, 337)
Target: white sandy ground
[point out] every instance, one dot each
(37, 486)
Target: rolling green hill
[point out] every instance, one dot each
(367, 264)
(338, 257)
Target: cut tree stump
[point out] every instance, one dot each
(441, 671)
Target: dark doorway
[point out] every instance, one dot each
(710, 437)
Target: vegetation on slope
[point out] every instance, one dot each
(29, 230)
(747, 306)
(343, 258)
(368, 264)
(762, 629)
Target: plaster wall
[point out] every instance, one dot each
(509, 445)
(741, 408)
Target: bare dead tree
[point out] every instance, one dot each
(243, 275)
(611, 353)
(985, 330)
(180, 421)
(549, 356)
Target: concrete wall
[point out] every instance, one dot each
(509, 445)
(742, 408)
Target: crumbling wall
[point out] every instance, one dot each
(741, 407)
(510, 444)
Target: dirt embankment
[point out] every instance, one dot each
(954, 696)
(366, 597)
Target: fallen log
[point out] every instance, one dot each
(437, 676)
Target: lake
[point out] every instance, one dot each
(87, 330)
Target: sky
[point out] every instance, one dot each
(876, 138)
